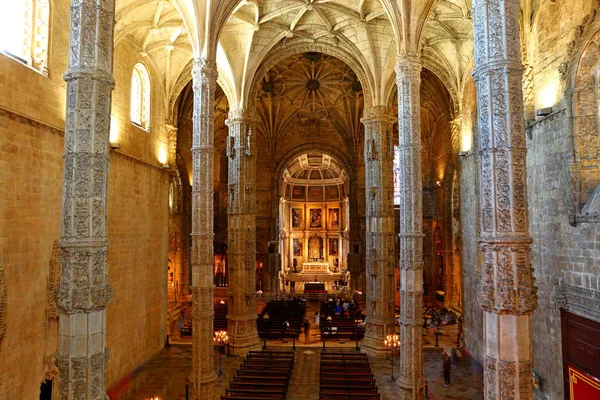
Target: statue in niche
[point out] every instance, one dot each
(314, 248)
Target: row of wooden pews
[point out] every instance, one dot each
(341, 328)
(263, 375)
(346, 376)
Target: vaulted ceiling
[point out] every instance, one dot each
(310, 87)
(365, 32)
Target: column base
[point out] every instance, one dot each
(204, 389)
(373, 348)
(374, 342)
(243, 336)
(406, 390)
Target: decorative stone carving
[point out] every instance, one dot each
(2, 304)
(52, 283)
(507, 291)
(408, 80)
(172, 137)
(379, 226)
(581, 301)
(241, 211)
(204, 73)
(84, 292)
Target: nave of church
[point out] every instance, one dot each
(189, 172)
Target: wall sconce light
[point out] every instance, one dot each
(165, 165)
(438, 183)
(115, 145)
(542, 112)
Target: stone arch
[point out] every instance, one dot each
(446, 79)
(184, 78)
(303, 47)
(582, 75)
(307, 147)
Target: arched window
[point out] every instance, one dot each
(24, 31)
(140, 97)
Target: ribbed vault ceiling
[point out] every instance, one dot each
(309, 88)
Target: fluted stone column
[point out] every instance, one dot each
(204, 73)
(379, 171)
(508, 295)
(408, 80)
(241, 245)
(84, 293)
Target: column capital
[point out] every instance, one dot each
(204, 67)
(408, 64)
(378, 114)
(241, 116)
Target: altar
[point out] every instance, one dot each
(315, 267)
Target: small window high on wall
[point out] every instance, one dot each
(140, 97)
(24, 32)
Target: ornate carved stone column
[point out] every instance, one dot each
(84, 291)
(408, 80)
(508, 295)
(241, 247)
(204, 73)
(379, 171)
(452, 232)
(172, 137)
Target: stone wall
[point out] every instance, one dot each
(559, 250)
(31, 168)
(137, 225)
(137, 263)
(32, 112)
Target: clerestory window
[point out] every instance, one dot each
(24, 32)
(140, 97)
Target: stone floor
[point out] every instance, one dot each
(164, 376)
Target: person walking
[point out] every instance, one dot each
(306, 331)
(447, 366)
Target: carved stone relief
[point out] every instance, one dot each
(204, 73)
(84, 292)
(408, 80)
(578, 300)
(2, 304)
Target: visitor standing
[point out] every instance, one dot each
(306, 331)
(447, 366)
(317, 318)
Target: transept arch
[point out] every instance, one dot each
(582, 75)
